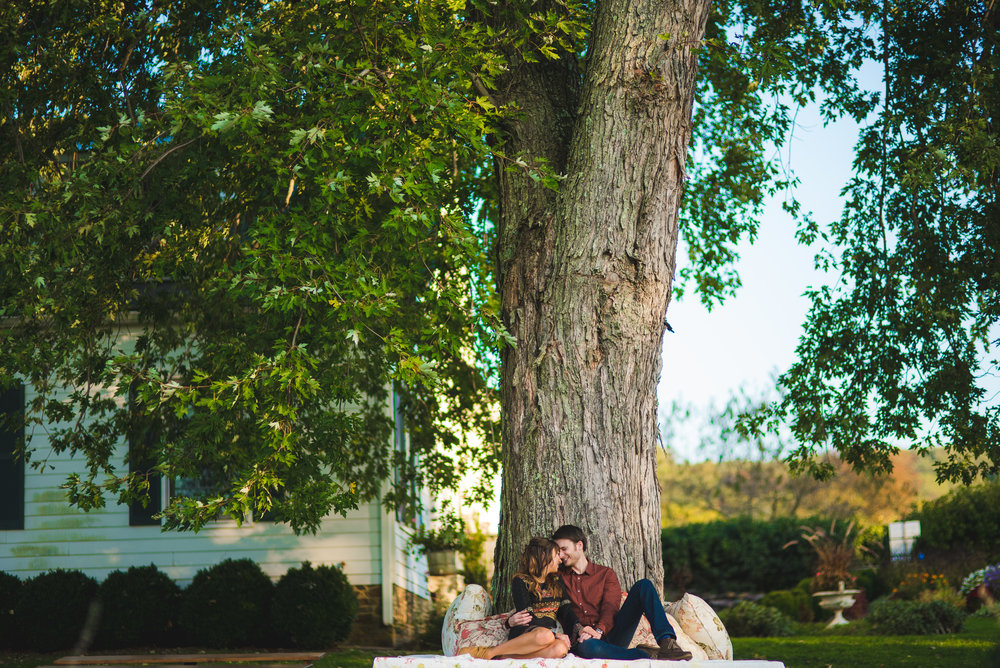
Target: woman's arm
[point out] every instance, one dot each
(519, 592)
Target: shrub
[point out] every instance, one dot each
(313, 607)
(750, 619)
(738, 555)
(973, 580)
(53, 609)
(913, 584)
(795, 603)
(227, 605)
(873, 583)
(900, 617)
(10, 593)
(139, 607)
(430, 638)
(966, 516)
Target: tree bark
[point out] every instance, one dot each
(584, 278)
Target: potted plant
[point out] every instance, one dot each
(835, 555)
(441, 544)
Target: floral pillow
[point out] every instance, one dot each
(488, 632)
(699, 621)
(471, 604)
(686, 642)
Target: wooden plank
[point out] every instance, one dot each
(256, 658)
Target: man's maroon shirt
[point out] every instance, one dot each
(595, 593)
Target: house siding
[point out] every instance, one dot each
(98, 542)
(57, 535)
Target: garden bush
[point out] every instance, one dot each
(917, 582)
(901, 617)
(313, 607)
(751, 619)
(966, 519)
(739, 554)
(227, 605)
(139, 607)
(794, 603)
(10, 592)
(873, 582)
(53, 610)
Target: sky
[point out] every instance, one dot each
(753, 335)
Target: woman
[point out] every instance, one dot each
(538, 589)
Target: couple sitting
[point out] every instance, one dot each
(556, 582)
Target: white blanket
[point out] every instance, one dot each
(571, 661)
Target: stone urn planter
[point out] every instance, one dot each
(837, 600)
(442, 562)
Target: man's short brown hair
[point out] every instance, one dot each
(571, 532)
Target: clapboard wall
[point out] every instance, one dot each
(57, 535)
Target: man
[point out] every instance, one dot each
(605, 630)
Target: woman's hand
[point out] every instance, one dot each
(519, 618)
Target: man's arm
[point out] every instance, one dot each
(610, 602)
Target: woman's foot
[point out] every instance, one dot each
(475, 652)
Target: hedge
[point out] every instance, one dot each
(738, 555)
(965, 519)
(232, 605)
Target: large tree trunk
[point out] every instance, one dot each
(584, 279)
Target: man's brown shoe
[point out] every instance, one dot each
(651, 650)
(671, 651)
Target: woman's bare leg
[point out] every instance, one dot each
(536, 643)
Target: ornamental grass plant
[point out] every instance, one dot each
(836, 555)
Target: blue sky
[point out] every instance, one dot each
(743, 342)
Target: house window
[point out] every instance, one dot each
(143, 439)
(406, 512)
(12, 463)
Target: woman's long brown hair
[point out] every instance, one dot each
(535, 559)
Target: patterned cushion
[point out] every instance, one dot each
(471, 604)
(700, 622)
(686, 642)
(488, 632)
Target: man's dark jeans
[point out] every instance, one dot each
(642, 600)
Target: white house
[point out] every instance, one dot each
(40, 531)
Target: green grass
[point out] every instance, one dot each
(348, 658)
(352, 658)
(977, 646)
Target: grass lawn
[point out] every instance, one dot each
(348, 658)
(977, 646)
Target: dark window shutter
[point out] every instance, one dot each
(142, 438)
(11, 463)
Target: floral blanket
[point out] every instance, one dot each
(571, 661)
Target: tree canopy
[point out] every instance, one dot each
(901, 351)
(244, 224)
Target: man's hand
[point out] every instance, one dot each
(588, 632)
(519, 618)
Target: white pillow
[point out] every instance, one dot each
(473, 603)
(686, 642)
(700, 622)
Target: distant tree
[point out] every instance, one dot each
(746, 473)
